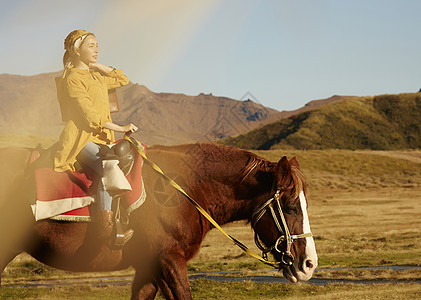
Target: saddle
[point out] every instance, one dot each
(67, 196)
(121, 151)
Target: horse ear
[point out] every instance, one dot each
(294, 162)
(283, 172)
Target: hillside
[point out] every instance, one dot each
(384, 122)
(28, 106)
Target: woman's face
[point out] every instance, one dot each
(88, 51)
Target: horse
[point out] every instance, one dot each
(229, 183)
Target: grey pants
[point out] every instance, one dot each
(89, 156)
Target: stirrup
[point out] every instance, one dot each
(121, 236)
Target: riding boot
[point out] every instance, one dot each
(107, 226)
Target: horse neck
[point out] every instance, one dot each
(229, 181)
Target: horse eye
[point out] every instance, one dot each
(290, 209)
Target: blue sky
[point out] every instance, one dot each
(283, 52)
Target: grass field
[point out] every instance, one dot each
(364, 209)
(203, 289)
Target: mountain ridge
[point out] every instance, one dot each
(29, 106)
(382, 122)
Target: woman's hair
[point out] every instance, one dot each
(72, 42)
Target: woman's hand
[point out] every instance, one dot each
(100, 68)
(130, 128)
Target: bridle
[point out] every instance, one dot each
(283, 232)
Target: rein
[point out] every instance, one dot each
(261, 211)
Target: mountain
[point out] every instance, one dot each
(28, 106)
(168, 118)
(383, 122)
(312, 105)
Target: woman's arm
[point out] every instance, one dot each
(115, 127)
(101, 68)
(112, 77)
(109, 125)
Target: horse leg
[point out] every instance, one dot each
(5, 259)
(165, 289)
(12, 237)
(174, 281)
(143, 287)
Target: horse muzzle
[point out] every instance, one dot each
(302, 269)
(296, 274)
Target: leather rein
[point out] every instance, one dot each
(272, 206)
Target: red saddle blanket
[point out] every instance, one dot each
(67, 196)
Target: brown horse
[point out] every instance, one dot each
(231, 184)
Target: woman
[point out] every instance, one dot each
(83, 96)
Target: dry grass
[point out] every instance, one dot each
(352, 292)
(364, 210)
(351, 230)
(366, 274)
(204, 289)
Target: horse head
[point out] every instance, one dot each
(282, 226)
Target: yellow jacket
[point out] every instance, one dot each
(83, 98)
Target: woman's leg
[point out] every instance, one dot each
(89, 156)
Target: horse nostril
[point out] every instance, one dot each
(309, 264)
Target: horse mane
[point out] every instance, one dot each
(210, 152)
(246, 162)
(296, 185)
(250, 161)
(255, 162)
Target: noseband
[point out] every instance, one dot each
(283, 232)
